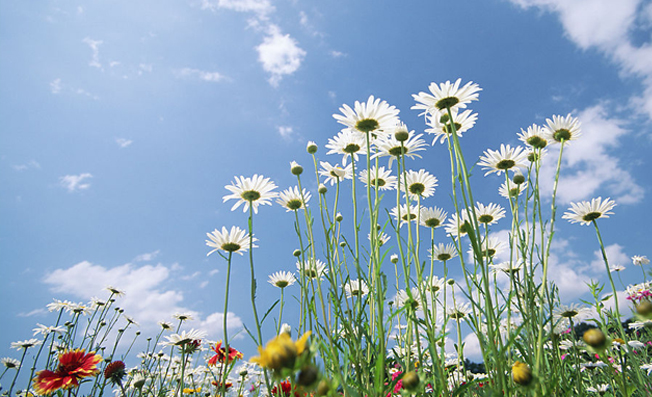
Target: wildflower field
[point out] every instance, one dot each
(377, 312)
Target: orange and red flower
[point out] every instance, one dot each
(73, 366)
(221, 356)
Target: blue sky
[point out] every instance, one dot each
(121, 123)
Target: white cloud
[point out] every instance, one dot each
(588, 167)
(285, 131)
(146, 299)
(75, 182)
(122, 142)
(261, 7)
(145, 67)
(212, 77)
(279, 54)
(337, 54)
(55, 86)
(146, 257)
(95, 48)
(615, 256)
(214, 323)
(32, 164)
(607, 27)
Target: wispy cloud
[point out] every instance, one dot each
(55, 86)
(32, 164)
(279, 54)
(286, 132)
(95, 48)
(261, 7)
(600, 25)
(75, 182)
(123, 142)
(213, 77)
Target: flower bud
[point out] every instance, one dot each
(394, 258)
(401, 133)
(311, 147)
(322, 189)
(521, 373)
(595, 338)
(644, 308)
(307, 376)
(323, 388)
(296, 253)
(410, 380)
(338, 217)
(295, 168)
(518, 178)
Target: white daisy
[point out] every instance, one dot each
(505, 159)
(402, 299)
(183, 316)
(510, 189)
(379, 176)
(640, 260)
(312, 269)
(281, 279)
(443, 252)
(374, 115)
(441, 126)
(459, 310)
(419, 183)
(383, 238)
(432, 217)
(48, 329)
(403, 212)
(508, 268)
(293, 199)
(446, 95)
(25, 344)
(535, 136)
(458, 227)
(183, 338)
(586, 212)
(616, 268)
(9, 362)
(335, 173)
(490, 247)
(235, 240)
(563, 128)
(574, 311)
(347, 142)
(434, 284)
(489, 214)
(356, 288)
(252, 191)
(392, 147)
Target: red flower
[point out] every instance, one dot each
(115, 371)
(221, 354)
(73, 366)
(285, 390)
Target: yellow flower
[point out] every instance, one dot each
(191, 391)
(281, 352)
(521, 373)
